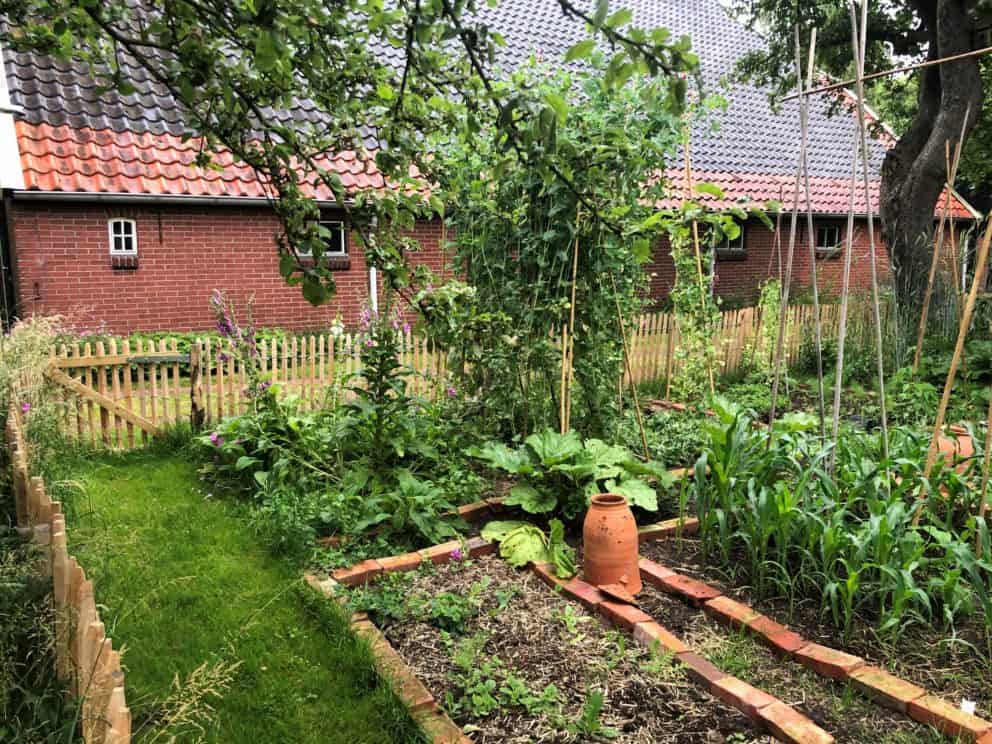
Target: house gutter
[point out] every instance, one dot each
(126, 198)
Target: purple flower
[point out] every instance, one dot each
(25, 407)
(456, 555)
(396, 324)
(452, 392)
(216, 439)
(406, 328)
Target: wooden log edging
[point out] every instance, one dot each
(765, 711)
(85, 658)
(874, 682)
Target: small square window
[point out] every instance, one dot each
(732, 248)
(123, 238)
(335, 244)
(828, 238)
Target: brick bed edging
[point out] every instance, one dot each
(762, 709)
(875, 683)
(426, 713)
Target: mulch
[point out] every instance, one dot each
(646, 702)
(950, 666)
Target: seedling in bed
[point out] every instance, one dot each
(588, 724)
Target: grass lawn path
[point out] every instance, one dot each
(182, 581)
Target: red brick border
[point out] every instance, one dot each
(426, 713)
(764, 710)
(365, 571)
(878, 685)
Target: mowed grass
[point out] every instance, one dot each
(182, 582)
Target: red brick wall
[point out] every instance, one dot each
(184, 253)
(739, 279)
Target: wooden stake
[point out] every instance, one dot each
(564, 373)
(630, 372)
(983, 493)
(844, 301)
(944, 214)
(859, 58)
(790, 254)
(695, 243)
(817, 327)
(978, 281)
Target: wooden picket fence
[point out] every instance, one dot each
(85, 659)
(120, 394)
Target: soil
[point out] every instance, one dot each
(949, 667)
(546, 639)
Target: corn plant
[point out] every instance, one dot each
(767, 506)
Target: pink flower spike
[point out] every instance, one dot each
(25, 407)
(406, 328)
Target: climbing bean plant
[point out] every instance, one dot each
(693, 232)
(519, 234)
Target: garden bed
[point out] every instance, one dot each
(526, 637)
(948, 667)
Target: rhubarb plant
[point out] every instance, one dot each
(561, 473)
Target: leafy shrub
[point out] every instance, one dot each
(561, 472)
(674, 437)
(383, 458)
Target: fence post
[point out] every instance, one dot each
(197, 413)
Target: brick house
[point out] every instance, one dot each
(106, 219)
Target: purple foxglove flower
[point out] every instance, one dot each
(452, 392)
(25, 407)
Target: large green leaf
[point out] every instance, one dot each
(498, 455)
(606, 454)
(637, 492)
(552, 448)
(530, 499)
(525, 544)
(651, 468)
(497, 530)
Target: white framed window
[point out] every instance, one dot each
(733, 247)
(335, 243)
(123, 237)
(828, 238)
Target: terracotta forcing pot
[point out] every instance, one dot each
(609, 549)
(957, 443)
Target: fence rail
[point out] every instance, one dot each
(120, 394)
(85, 658)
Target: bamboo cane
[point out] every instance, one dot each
(983, 491)
(981, 266)
(845, 294)
(630, 372)
(859, 58)
(790, 255)
(938, 244)
(817, 326)
(695, 244)
(571, 323)
(564, 373)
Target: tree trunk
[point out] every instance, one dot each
(913, 173)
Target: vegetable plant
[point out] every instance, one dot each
(521, 543)
(560, 472)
